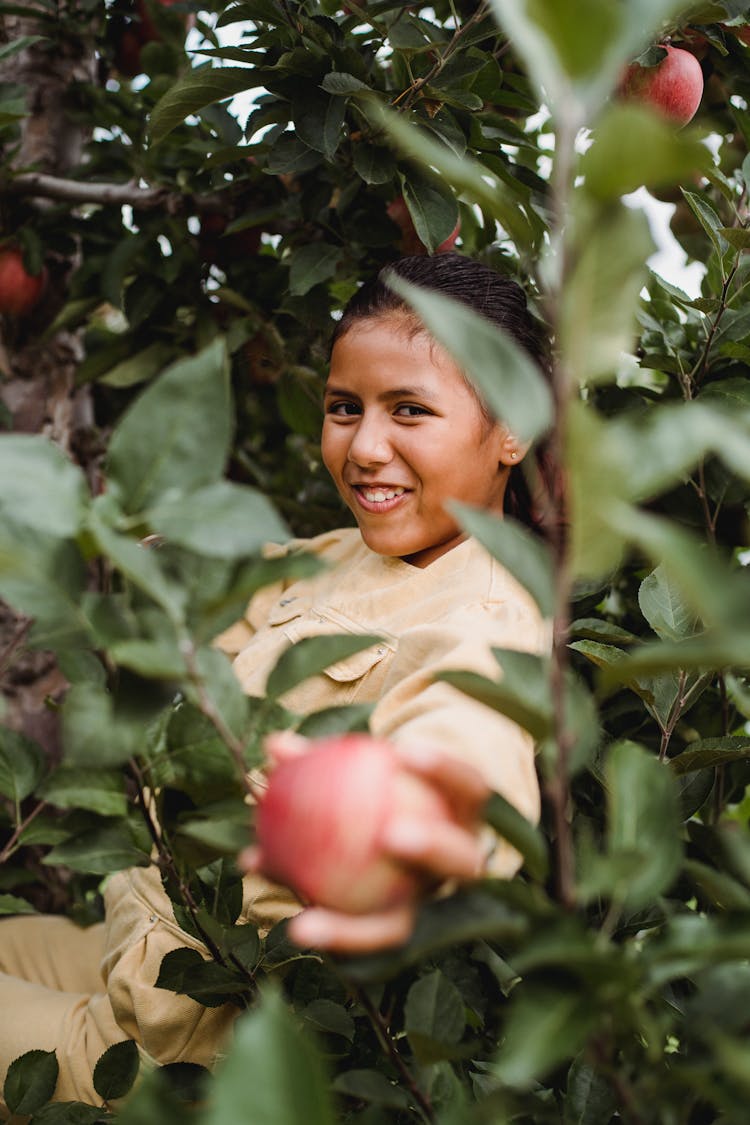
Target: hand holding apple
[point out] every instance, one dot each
(362, 830)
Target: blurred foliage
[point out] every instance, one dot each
(608, 981)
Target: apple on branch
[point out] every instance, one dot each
(20, 290)
(673, 87)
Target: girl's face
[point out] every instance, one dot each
(403, 434)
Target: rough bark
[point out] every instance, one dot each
(37, 372)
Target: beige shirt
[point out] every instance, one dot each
(448, 615)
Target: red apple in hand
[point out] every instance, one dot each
(321, 822)
(673, 87)
(19, 290)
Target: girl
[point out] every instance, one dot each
(404, 435)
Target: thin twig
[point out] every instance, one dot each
(695, 376)
(6, 655)
(386, 1041)
(409, 94)
(10, 844)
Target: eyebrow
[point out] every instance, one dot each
(415, 391)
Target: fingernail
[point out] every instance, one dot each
(418, 754)
(405, 836)
(309, 929)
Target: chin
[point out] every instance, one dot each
(384, 545)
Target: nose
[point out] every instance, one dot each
(370, 444)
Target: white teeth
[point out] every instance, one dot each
(377, 496)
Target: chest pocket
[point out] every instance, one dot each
(359, 676)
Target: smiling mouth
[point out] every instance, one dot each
(379, 499)
(377, 495)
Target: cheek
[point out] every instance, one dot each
(330, 449)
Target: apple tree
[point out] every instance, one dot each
(189, 195)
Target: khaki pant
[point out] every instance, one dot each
(52, 998)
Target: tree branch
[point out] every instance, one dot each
(114, 195)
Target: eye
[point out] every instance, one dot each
(411, 410)
(344, 409)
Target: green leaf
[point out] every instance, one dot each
(338, 82)
(116, 1070)
(22, 765)
(99, 851)
(469, 915)
(520, 552)
(432, 206)
(520, 833)
(707, 217)
(99, 790)
(11, 904)
(199, 88)
(176, 434)
(139, 367)
(545, 1026)
(739, 237)
(643, 821)
(373, 164)
(41, 486)
(474, 181)
(664, 608)
(318, 120)
(187, 973)
(222, 520)
(281, 1068)
(371, 1086)
(311, 656)
(140, 565)
(707, 753)
(312, 264)
(221, 686)
(589, 1098)
(91, 737)
(695, 571)
(160, 659)
(611, 256)
(290, 155)
(506, 377)
(634, 147)
(522, 694)
(336, 720)
(434, 1009)
(325, 1016)
(44, 577)
(30, 1081)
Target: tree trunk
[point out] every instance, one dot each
(37, 372)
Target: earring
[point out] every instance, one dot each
(513, 456)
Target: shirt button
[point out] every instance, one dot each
(381, 651)
(152, 917)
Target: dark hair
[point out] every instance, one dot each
(532, 488)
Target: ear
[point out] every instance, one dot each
(511, 451)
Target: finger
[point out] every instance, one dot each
(445, 849)
(281, 745)
(461, 782)
(351, 933)
(249, 860)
